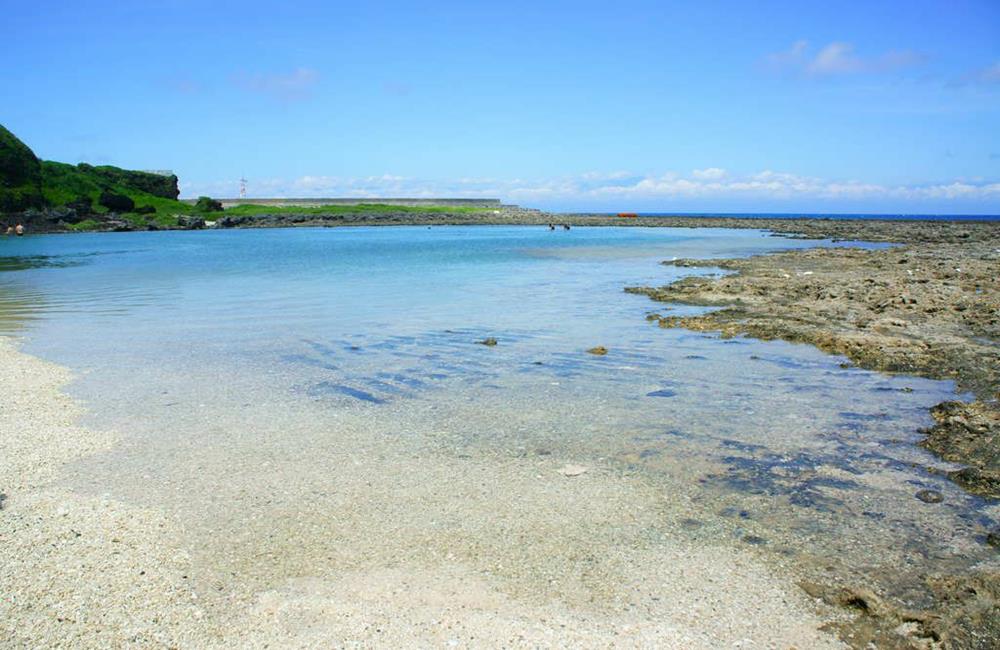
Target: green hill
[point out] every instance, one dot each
(83, 196)
(20, 175)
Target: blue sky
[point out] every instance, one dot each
(714, 106)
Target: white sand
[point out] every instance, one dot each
(430, 552)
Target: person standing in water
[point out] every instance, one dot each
(18, 230)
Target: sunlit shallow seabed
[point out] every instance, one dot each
(319, 396)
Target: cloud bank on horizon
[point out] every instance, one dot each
(766, 106)
(618, 188)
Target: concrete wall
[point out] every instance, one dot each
(473, 203)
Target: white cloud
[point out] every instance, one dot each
(991, 74)
(292, 86)
(988, 75)
(835, 58)
(710, 183)
(838, 58)
(709, 174)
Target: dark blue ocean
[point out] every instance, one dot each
(820, 215)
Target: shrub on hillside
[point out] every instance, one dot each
(208, 204)
(82, 205)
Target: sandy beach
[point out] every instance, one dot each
(539, 558)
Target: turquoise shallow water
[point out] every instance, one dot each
(231, 340)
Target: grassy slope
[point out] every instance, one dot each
(62, 183)
(20, 174)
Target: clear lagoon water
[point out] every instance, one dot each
(218, 353)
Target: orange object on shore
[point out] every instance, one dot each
(627, 215)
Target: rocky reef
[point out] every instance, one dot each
(929, 308)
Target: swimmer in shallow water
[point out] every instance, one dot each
(18, 230)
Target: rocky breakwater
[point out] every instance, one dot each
(346, 216)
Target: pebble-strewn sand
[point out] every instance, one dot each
(87, 571)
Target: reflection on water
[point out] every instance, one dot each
(218, 351)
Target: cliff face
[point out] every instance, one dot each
(49, 196)
(20, 175)
(162, 186)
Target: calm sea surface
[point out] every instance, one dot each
(231, 340)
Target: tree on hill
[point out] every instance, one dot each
(208, 204)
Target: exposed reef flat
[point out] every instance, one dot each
(931, 308)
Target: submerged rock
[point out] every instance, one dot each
(600, 350)
(489, 341)
(930, 496)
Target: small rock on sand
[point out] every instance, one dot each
(572, 470)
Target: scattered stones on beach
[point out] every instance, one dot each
(993, 538)
(599, 350)
(489, 341)
(930, 496)
(572, 470)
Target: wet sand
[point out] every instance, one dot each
(423, 550)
